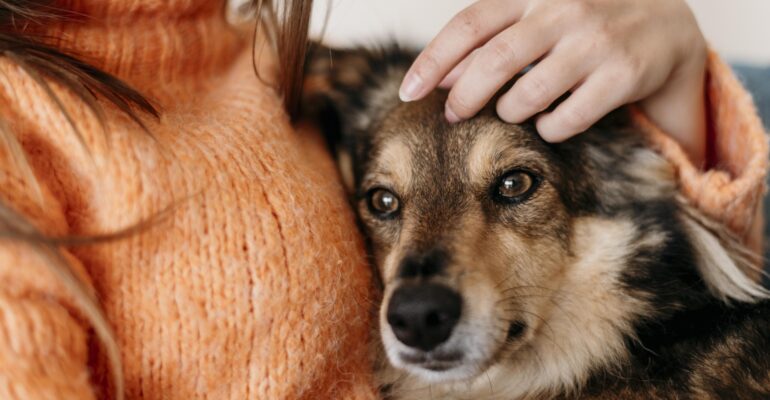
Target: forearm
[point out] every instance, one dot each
(679, 107)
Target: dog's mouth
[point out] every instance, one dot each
(433, 361)
(436, 365)
(462, 357)
(435, 332)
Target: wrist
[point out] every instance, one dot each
(684, 120)
(679, 107)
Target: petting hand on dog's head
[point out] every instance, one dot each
(606, 53)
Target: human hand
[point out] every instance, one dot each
(605, 53)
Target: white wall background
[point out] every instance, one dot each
(738, 29)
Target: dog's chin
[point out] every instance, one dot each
(464, 356)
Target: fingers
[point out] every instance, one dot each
(450, 79)
(542, 85)
(466, 31)
(495, 64)
(594, 99)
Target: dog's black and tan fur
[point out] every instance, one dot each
(586, 277)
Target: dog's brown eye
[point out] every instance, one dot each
(515, 186)
(383, 202)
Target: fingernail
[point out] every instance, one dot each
(410, 88)
(450, 115)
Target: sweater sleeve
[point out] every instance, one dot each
(730, 191)
(44, 348)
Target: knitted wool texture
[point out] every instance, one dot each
(256, 285)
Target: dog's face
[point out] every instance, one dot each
(468, 229)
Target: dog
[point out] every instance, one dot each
(512, 268)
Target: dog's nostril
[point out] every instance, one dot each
(423, 316)
(432, 319)
(437, 319)
(396, 322)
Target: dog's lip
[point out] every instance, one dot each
(435, 365)
(438, 366)
(434, 361)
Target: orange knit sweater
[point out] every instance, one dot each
(256, 286)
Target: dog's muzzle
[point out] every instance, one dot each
(431, 327)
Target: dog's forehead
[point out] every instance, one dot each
(415, 139)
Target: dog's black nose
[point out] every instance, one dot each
(423, 316)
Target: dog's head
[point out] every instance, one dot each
(468, 223)
(468, 226)
(498, 251)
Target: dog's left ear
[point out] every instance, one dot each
(347, 91)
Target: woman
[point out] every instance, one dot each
(208, 252)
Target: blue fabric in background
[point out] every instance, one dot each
(757, 81)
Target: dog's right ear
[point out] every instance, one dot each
(346, 92)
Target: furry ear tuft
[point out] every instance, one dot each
(729, 269)
(353, 82)
(346, 91)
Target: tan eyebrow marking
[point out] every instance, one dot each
(493, 151)
(485, 151)
(394, 161)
